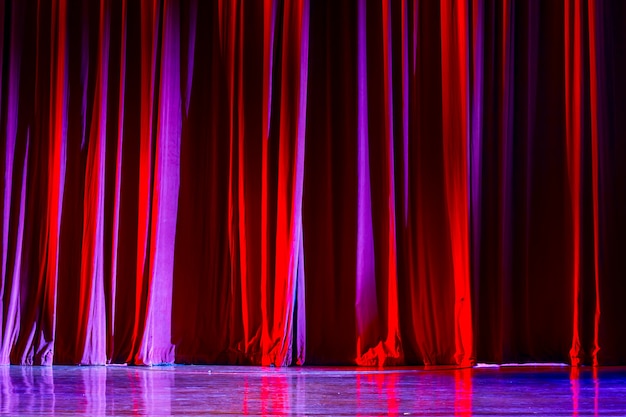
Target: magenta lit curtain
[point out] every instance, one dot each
(279, 182)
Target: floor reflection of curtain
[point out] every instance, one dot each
(94, 386)
(463, 393)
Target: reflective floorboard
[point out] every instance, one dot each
(220, 390)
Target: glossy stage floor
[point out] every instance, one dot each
(220, 390)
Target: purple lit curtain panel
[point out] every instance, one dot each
(312, 182)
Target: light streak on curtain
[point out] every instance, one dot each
(434, 265)
(256, 145)
(455, 111)
(92, 314)
(33, 316)
(14, 191)
(114, 166)
(274, 182)
(476, 132)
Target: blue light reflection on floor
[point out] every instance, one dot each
(218, 390)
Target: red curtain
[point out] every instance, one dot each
(278, 182)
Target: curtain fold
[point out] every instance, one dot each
(280, 182)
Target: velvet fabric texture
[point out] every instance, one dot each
(287, 182)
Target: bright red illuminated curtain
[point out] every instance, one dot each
(368, 182)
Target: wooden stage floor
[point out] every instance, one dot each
(336, 391)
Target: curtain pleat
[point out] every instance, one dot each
(281, 182)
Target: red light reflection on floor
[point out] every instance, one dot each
(393, 404)
(275, 395)
(574, 377)
(463, 392)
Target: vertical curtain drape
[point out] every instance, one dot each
(276, 182)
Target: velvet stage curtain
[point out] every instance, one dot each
(312, 181)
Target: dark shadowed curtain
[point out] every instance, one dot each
(312, 181)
